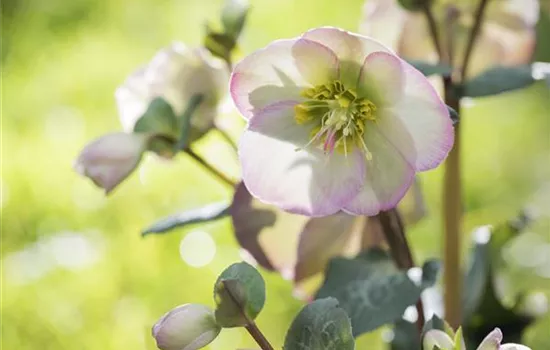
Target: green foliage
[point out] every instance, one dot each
(498, 80)
(414, 5)
(239, 293)
(323, 324)
(428, 69)
(204, 214)
(158, 119)
(371, 289)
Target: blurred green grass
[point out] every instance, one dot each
(76, 273)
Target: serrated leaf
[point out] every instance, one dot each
(234, 16)
(207, 213)
(239, 293)
(370, 288)
(498, 80)
(159, 118)
(428, 69)
(320, 325)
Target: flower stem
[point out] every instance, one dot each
(258, 336)
(228, 138)
(478, 21)
(394, 233)
(210, 167)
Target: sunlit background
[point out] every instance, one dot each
(76, 274)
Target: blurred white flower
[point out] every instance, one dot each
(175, 73)
(506, 38)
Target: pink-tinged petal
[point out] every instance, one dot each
(322, 239)
(381, 78)
(376, 16)
(278, 171)
(512, 346)
(350, 48)
(108, 160)
(388, 176)
(437, 338)
(317, 63)
(419, 125)
(492, 341)
(280, 72)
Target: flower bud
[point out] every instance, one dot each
(176, 73)
(111, 158)
(186, 327)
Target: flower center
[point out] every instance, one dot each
(339, 117)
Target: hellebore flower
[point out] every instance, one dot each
(506, 38)
(187, 327)
(336, 121)
(436, 339)
(111, 158)
(176, 73)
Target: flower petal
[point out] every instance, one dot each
(388, 176)
(280, 72)
(512, 346)
(435, 337)
(376, 16)
(418, 125)
(351, 49)
(301, 181)
(492, 341)
(320, 240)
(381, 78)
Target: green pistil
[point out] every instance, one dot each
(339, 117)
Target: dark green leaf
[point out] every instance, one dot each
(434, 323)
(194, 216)
(320, 325)
(412, 5)
(428, 69)
(234, 16)
(159, 118)
(497, 80)
(371, 289)
(454, 115)
(185, 120)
(239, 294)
(405, 336)
(430, 272)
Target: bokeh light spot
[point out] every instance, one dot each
(197, 248)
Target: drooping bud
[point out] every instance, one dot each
(186, 327)
(111, 158)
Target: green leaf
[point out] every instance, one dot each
(405, 336)
(207, 213)
(320, 325)
(371, 289)
(497, 80)
(219, 44)
(428, 69)
(412, 5)
(234, 16)
(239, 294)
(159, 118)
(476, 277)
(185, 120)
(433, 323)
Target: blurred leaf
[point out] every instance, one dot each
(239, 294)
(159, 118)
(405, 336)
(430, 272)
(412, 5)
(219, 44)
(185, 120)
(454, 115)
(476, 277)
(434, 323)
(428, 69)
(163, 146)
(322, 239)
(323, 324)
(497, 80)
(234, 16)
(248, 222)
(207, 213)
(370, 288)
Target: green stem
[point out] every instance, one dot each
(478, 21)
(210, 167)
(394, 233)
